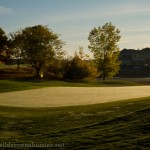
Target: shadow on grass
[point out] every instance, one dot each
(115, 125)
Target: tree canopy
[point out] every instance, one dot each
(39, 46)
(103, 44)
(42, 48)
(3, 44)
(16, 46)
(76, 68)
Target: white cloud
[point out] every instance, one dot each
(142, 29)
(128, 11)
(83, 16)
(5, 10)
(128, 8)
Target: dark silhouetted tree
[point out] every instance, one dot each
(4, 52)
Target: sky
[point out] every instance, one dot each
(74, 19)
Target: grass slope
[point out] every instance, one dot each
(18, 85)
(117, 125)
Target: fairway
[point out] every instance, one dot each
(70, 96)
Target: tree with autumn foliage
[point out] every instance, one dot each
(5, 52)
(39, 46)
(103, 44)
(78, 67)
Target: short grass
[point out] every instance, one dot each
(117, 125)
(18, 85)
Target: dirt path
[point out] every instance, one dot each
(68, 96)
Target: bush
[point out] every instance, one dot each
(55, 69)
(76, 69)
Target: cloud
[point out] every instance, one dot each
(142, 29)
(130, 7)
(128, 11)
(5, 10)
(83, 16)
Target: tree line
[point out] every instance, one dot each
(42, 48)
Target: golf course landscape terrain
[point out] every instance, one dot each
(110, 115)
(74, 75)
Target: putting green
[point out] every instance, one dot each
(69, 96)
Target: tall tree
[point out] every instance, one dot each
(39, 46)
(16, 46)
(3, 44)
(103, 44)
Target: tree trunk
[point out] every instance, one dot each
(104, 76)
(38, 73)
(18, 64)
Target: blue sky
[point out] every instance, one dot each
(74, 19)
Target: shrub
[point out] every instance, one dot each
(76, 69)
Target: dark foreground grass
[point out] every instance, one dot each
(17, 85)
(117, 125)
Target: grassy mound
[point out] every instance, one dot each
(117, 125)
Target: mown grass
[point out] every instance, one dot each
(17, 85)
(117, 125)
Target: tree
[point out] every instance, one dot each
(103, 44)
(16, 44)
(3, 45)
(81, 52)
(39, 45)
(77, 68)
